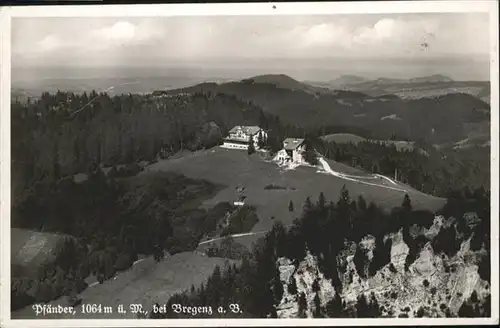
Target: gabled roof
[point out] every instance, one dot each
(246, 129)
(292, 143)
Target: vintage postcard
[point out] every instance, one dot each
(250, 164)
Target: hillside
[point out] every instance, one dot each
(143, 284)
(431, 79)
(346, 80)
(285, 82)
(439, 119)
(31, 249)
(254, 174)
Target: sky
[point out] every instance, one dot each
(255, 41)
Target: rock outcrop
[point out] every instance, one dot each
(434, 285)
(304, 276)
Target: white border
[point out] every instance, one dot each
(237, 9)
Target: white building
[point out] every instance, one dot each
(240, 135)
(293, 150)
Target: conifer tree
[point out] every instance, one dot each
(310, 154)
(292, 286)
(406, 205)
(302, 302)
(362, 309)
(277, 287)
(307, 208)
(251, 146)
(360, 259)
(344, 211)
(321, 202)
(334, 307)
(317, 307)
(373, 307)
(290, 206)
(362, 204)
(260, 140)
(315, 286)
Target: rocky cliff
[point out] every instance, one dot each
(434, 285)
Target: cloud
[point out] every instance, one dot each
(198, 37)
(49, 43)
(326, 34)
(396, 31)
(120, 31)
(96, 38)
(381, 31)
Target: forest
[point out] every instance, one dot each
(323, 228)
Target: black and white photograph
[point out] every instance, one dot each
(268, 162)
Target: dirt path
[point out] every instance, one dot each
(327, 169)
(233, 236)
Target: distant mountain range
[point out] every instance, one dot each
(419, 87)
(354, 79)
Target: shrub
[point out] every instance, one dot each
(292, 287)
(241, 221)
(274, 187)
(123, 261)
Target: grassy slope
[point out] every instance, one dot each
(233, 168)
(348, 137)
(31, 248)
(343, 138)
(145, 283)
